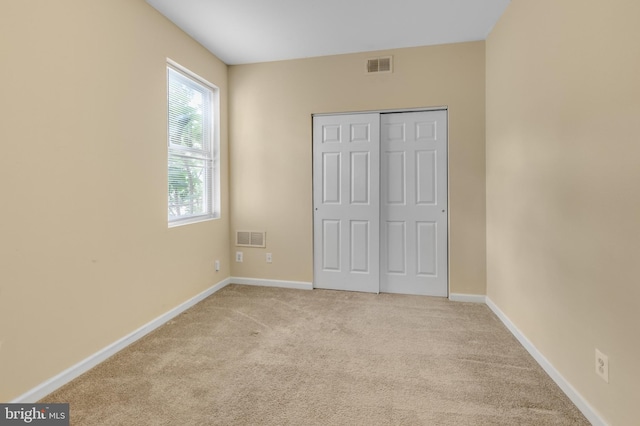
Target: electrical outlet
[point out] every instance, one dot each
(239, 256)
(217, 265)
(269, 258)
(602, 365)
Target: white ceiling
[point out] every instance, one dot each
(248, 31)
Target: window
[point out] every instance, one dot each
(193, 178)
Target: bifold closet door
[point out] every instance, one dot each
(346, 178)
(413, 211)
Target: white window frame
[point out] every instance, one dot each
(212, 186)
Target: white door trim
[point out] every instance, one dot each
(384, 111)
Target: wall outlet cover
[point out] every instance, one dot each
(602, 366)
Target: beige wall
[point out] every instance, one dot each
(85, 253)
(270, 130)
(563, 196)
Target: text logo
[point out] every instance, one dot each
(34, 414)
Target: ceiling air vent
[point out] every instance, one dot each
(251, 239)
(381, 64)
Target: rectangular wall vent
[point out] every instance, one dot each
(381, 64)
(251, 239)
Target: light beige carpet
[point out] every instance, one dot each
(266, 356)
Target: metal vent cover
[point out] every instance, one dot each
(251, 239)
(382, 64)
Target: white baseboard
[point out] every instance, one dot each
(272, 283)
(589, 412)
(473, 298)
(88, 363)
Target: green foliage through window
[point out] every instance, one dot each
(190, 131)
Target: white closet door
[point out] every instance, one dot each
(413, 233)
(346, 178)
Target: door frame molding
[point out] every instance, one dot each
(388, 111)
(384, 111)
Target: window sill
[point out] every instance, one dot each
(190, 220)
